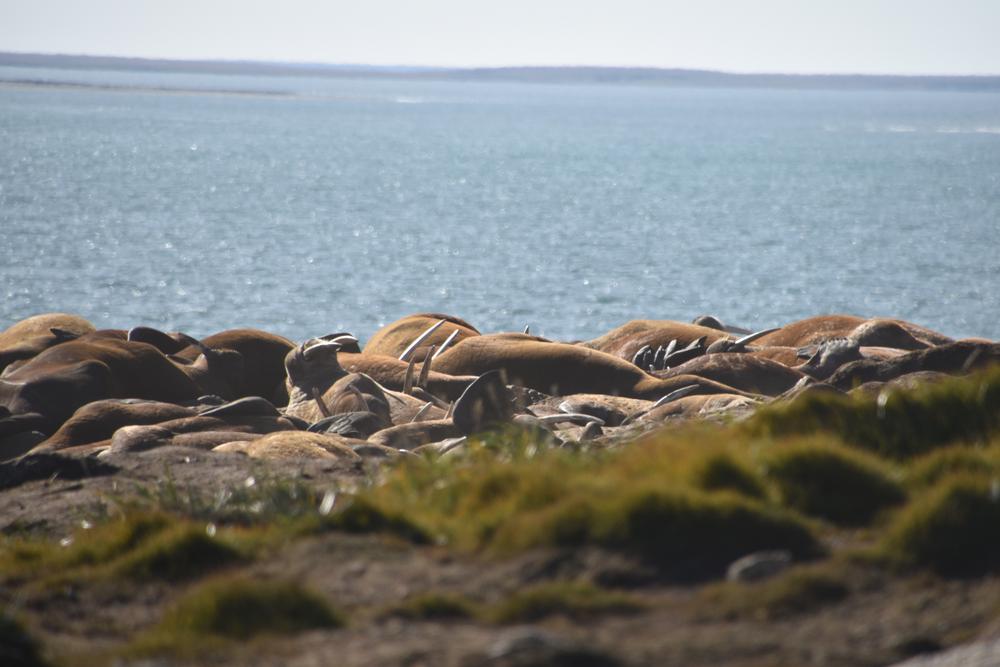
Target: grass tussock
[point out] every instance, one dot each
(832, 482)
(639, 500)
(237, 609)
(928, 470)
(954, 529)
(686, 533)
(801, 590)
(897, 424)
(139, 546)
(724, 472)
(578, 601)
(359, 515)
(17, 647)
(434, 606)
(575, 600)
(183, 553)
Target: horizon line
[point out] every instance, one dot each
(492, 67)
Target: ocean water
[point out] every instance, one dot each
(305, 206)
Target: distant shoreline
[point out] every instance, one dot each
(76, 85)
(553, 75)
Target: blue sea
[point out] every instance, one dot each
(305, 206)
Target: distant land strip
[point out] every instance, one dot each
(140, 89)
(561, 75)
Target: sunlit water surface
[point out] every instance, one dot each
(346, 204)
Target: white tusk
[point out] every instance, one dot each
(408, 379)
(445, 344)
(426, 368)
(421, 411)
(674, 395)
(420, 339)
(572, 417)
(749, 338)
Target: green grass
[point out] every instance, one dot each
(185, 552)
(434, 606)
(832, 482)
(232, 609)
(138, 546)
(801, 590)
(724, 472)
(904, 423)
(927, 470)
(578, 601)
(954, 529)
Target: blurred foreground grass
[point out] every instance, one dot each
(905, 480)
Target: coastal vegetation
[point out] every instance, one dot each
(863, 493)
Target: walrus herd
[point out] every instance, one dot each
(427, 381)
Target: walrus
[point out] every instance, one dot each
(870, 332)
(396, 339)
(562, 368)
(25, 339)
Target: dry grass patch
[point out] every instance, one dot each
(801, 590)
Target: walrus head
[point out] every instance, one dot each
(823, 359)
(314, 364)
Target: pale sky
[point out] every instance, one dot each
(808, 36)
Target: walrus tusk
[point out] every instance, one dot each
(445, 344)
(340, 339)
(695, 344)
(749, 338)
(420, 339)
(318, 397)
(527, 328)
(426, 368)
(674, 395)
(659, 357)
(421, 411)
(572, 417)
(671, 346)
(408, 379)
(637, 357)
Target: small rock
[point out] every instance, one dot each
(533, 647)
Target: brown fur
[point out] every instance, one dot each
(410, 436)
(392, 339)
(29, 337)
(561, 368)
(263, 357)
(874, 332)
(294, 445)
(65, 377)
(627, 339)
(99, 420)
(745, 372)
